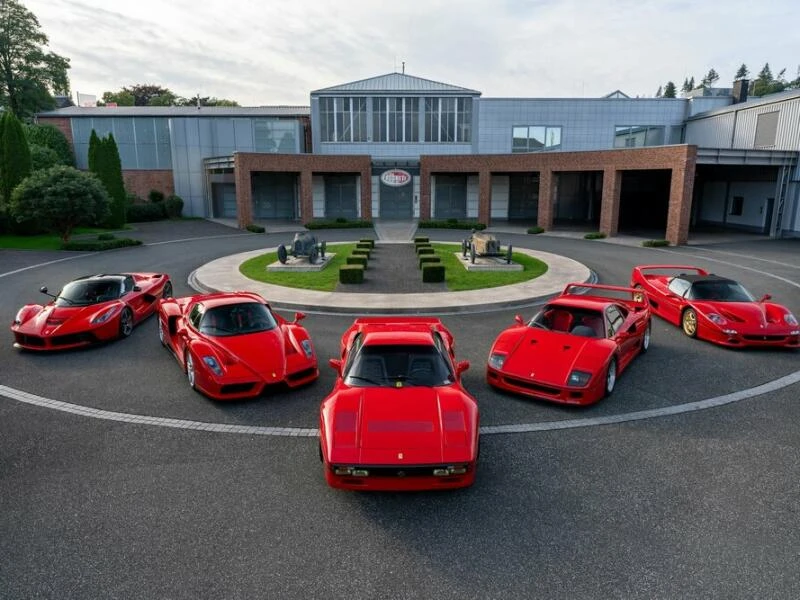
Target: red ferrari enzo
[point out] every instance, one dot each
(574, 349)
(232, 345)
(715, 308)
(398, 418)
(95, 308)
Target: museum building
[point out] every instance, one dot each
(402, 147)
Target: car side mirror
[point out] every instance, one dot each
(462, 366)
(43, 289)
(298, 316)
(765, 297)
(336, 364)
(518, 319)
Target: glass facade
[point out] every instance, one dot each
(535, 138)
(343, 119)
(143, 142)
(636, 136)
(395, 119)
(448, 120)
(274, 135)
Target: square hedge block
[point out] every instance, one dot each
(351, 274)
(428, 259)
(423, 250)
(357, 260)
(421, 240)
(369, 241)
(432, 273)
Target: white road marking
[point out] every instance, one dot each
(748, 257)
(95, 413)
(44, 264)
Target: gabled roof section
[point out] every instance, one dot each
(617, 94)
(396, 82)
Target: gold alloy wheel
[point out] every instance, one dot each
(689, 322)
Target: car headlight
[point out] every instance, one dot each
(18, 317)
(578, 378)
(497, 360)
(212, 364)
(105, 316)
(715, 318)
(790, 319)
(307, 348)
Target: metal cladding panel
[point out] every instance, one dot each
(788, 131)
(713, 132)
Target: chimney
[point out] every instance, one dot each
(740, 90)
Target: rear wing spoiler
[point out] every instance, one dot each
(678, 268)
(394, 320)
(595, 290)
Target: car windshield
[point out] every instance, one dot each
(566, 319)
(237, 319)
(84, 292)
(382, 365)
(720, 291)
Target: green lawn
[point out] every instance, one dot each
(323, 281)
(457, 277)
(48, 241)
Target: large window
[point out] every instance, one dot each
(343, 119)
(448, 120)
(636, 136)
(395, 119)
(142, 142)
(536, 138)
(275, 135)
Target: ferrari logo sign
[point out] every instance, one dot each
(399, 456)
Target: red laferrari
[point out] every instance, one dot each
(96, 308)
(574, 349)
(398, 418)
(714, 308)
(232, 345)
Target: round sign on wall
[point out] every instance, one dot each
(395, 177)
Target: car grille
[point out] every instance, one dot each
(530, 385)
(236, 388)
(72, 339)
(29, 340)
(399, 471)
(765, 338)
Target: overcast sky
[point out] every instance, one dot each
(273, 52)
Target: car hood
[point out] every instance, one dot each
(549, 357)
(55, 320)
(746, 315)
(263, 353)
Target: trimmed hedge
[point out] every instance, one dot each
(97, 245)
(357, 260)
(369, 241)
(427, 259)
(654, 243)
(536, 229)
(595, 235)
(364, 246)
(173, 206)
(451, 224)
(139, 213)
(255, 228)
(421, 240)
(433, 273)
(351, 274)
(104, 237)
(423, 250)
(339, 223)
(361, 252)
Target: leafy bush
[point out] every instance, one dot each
(43, 157)
(357, 260)
(351, 274)
(433, 273)
(369, 241)
(428, 259)
(451, 224)
(595, 235)
(60, 198)
(51, 137)
(104, 237)
(155, 196)
(339, 223)
(173, 206)
(97, 245)
(139, 213)
(255, 228)
(654, 243)
(536, 229)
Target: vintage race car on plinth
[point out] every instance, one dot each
(484, 244)
(303, 244)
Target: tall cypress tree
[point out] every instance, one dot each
(15, 155)
(94, 142)
(115, 184)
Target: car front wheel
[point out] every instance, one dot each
(646, 338)
(125, 323)
(191, 375)
(611, 376)
(689, 322)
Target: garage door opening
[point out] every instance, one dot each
(578, 200)
(274, 196)
(644, 203)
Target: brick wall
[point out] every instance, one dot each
(62, 123)
(141, 182)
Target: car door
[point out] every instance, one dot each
(673, 301)
(622, 326)
(135, 299)
(186, 329)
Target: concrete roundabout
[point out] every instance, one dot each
(634, 489)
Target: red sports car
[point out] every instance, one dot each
(232, 345)
(715, 308)
(574, 349)
(398, 418)
(95, 308)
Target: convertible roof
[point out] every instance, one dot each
(694, 277)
